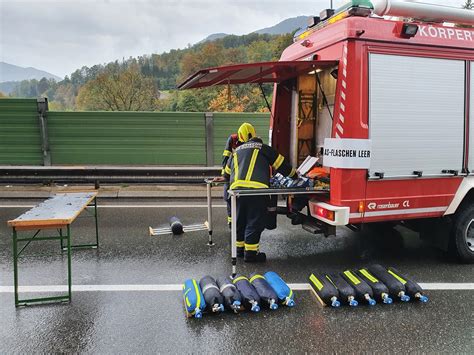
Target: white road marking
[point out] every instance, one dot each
(178, 287)
(300, 287)
(128, 206)
(447, 286)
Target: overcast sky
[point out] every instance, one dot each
(61, 36)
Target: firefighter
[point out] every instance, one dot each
(232, 143)
(249, 168)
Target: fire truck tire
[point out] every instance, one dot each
(462, 236)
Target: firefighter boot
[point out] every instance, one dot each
(252, 256)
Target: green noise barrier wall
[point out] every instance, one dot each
(227, 123)
(117, 138)
(20, 139)
(127, 138)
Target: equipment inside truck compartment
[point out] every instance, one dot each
(315, 108)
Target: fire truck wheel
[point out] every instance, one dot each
(462, 238)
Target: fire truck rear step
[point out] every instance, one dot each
(315, 226)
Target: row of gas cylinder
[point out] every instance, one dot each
(236, 294)
(371, 284)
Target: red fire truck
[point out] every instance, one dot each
(384, 92)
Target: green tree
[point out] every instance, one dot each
(260, 51)
(43, 86)
(127, 90)
(193, 100)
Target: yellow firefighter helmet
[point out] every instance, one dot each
(246, 132)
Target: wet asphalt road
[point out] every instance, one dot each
(153, 321)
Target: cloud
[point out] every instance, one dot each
(61, 36)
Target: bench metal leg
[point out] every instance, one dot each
(69, 270)
(209, 213)
(89, 245)
(96, 217)
(63, 298)
(15, 264)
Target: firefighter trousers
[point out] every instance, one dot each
(227, 201)
(251, 218)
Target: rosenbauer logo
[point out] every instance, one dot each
(446, 33)
(388, 205)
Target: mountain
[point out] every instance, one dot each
(10, 72)
(213, 37)
(286, 26)
(8, 86)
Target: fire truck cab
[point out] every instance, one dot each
(383, 92)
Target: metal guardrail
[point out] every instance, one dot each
(106, 174)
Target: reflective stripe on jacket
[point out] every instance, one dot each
(250, 165)
(231, 144)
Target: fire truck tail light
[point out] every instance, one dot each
(322, 212)
(333, 215)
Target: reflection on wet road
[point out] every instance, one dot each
(153, 321)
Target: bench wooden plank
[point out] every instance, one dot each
(60, 210)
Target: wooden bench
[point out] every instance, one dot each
(56, 213)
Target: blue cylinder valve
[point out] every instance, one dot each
(255, 308)
(405, 298)
(290, 302)
(423, 298)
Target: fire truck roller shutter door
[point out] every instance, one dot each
(471, 117)
(410, 101)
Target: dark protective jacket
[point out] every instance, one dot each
(231, 144)
(250, 165)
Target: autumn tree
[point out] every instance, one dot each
(209, 55)
(126, 90)
(64, 97)
(227, 101)
(241, 98)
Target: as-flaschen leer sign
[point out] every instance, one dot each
(347, 153)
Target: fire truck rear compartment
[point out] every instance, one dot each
(313, 112)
